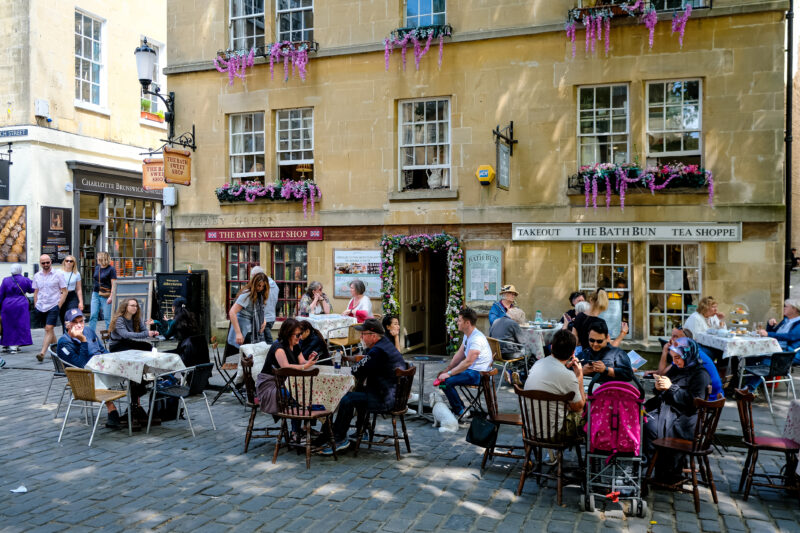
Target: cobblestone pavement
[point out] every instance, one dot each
(169, 481)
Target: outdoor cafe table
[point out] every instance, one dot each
(331, 326)
(792, 429)
(420, 361)
(739, 346)
(134, 365)
(536, 338)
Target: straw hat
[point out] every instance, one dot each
(509, 288)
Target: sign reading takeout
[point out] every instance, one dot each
(633, 231)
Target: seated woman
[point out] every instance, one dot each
(671, 412)
(359, 305)
(284, 353)
(506, 329)
(314, 301)
(707, 316)
(391, 324)
(127, 327)
(312, 341)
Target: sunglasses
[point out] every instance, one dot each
(68, 261)
(45, 263)
(596, 341)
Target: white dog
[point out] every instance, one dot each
(442, 416)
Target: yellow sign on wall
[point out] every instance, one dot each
(485, 174)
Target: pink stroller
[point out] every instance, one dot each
(614, 456)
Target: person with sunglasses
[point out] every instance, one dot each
(49, 293)
(609, 361)
(72, 277)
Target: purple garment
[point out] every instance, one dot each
(14, 311)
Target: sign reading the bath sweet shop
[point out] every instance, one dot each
(264, 235)
(633, 231)
(177, 166)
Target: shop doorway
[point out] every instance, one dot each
(90, 237)
(423, 301)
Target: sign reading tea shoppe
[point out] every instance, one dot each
(264, 235)
(177, 166)
(632, 231)
(153, 174)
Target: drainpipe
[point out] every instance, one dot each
(788, 147)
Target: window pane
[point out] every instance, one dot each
(620, 96)
(603, 97)
(656, 93)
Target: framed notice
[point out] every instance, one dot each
(484, 271)
(349, 265)
(13, 229)
(140, 289)
(56, 232)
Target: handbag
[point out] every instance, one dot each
(482, 432)
(103, 292)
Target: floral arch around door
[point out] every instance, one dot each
(437, 242)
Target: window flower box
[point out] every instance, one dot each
(294, 191)
(155, 117)
(420, 37)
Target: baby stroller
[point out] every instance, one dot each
(614, 455)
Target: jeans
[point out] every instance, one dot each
(268, 333)
(98, 302)
(753, 382)
(352, 401)
(467, 377)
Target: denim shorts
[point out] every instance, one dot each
(47, 318)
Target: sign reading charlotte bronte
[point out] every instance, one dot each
(484, 270)
(264, 234)
(356, 264)
(632, 231)
(177, 166)
(153, 174)
(114, 185)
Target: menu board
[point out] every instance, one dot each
(349, 265)
(56, 232)
(13, 228)
(193, 287)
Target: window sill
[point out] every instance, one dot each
(93, 108)
(423, 194)
(153, 124)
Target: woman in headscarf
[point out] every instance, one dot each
(14, 312)
(671, 412)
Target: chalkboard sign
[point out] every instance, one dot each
(191, 286)
(140, 289)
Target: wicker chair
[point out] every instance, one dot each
(346, 343)
(294, 403)
(506, 419)
(497, 358)
(252, 404)
(404, 380)
(81, 381)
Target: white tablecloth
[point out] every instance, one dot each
(739, 346)
(258, 352)
(331, 326)
(133, 364)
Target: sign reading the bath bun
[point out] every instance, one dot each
(264, 235)
(153, 174)
(177, 166)
(632, 231)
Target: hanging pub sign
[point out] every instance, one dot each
(153, 174)
(177, 166)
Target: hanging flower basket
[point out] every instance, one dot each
(305, 191)
(420, 37)
(437, 242)
(608, 178)
(234, 63)
(288, 53)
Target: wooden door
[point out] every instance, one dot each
(412, 292)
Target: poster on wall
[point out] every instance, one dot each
(4, 180)
(56, 232)
(484, 271)
(349, 265)
(13, 229)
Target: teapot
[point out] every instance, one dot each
(434, 178)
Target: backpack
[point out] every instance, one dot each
(614, 422)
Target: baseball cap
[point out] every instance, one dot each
(371, 324)
(72, 314)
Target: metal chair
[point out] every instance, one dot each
(351, 341)
(252, 404)
(227, 372)
(193, 383)
(81, 382)
(507, 419)
(778, 371)
(497, 358)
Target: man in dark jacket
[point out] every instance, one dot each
(611, 362)
(377, 368)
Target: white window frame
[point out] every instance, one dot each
(681, 153)
(610, 133)
(101, 106)
(419, 15)
(629, 290)
(288, 150)
(400, 144)
(231, 25)
(246, 176)
(698, 293)
(280, 32)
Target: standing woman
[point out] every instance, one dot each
(359, 305)
(72, 277)
(104, 279)
(247, 315)
(127, 328)
(14, 310)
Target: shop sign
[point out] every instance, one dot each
(177, 166)
(14, 133)
(113, 185)
(153, 174)
(56, 232)
(264, 235)
(632, 231)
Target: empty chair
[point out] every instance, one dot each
(507, 419)
(81, 382)
(193, 384)
(346, 343)
(779, 370)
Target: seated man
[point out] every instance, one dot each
(77, 346)
(506, 329)
(377, 367)
(561, 373)
(666, 362)
(787, 333)
(611, 362)
(473, 357)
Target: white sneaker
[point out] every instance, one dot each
(410, 411)
(414, 398)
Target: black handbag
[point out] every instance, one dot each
(482, 432)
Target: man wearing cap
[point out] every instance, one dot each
(786, 332)
(77, 346)
(508, 293)
(377, 368)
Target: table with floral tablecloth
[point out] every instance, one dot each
(331, 385)
(134, 364)
(331, 326)
(792, 429)
(536, 338)
(739, 346)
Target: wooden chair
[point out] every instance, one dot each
(253, 405)
(698, 449)
(345, 343)
(778, 371)
(404, 380)
(81, 381)
(542, 415)
(227, 372)
(507, 419)
(498, 360)
(755, 444)
(296, 390)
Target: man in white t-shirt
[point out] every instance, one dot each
(473, 357)
(560, 373)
